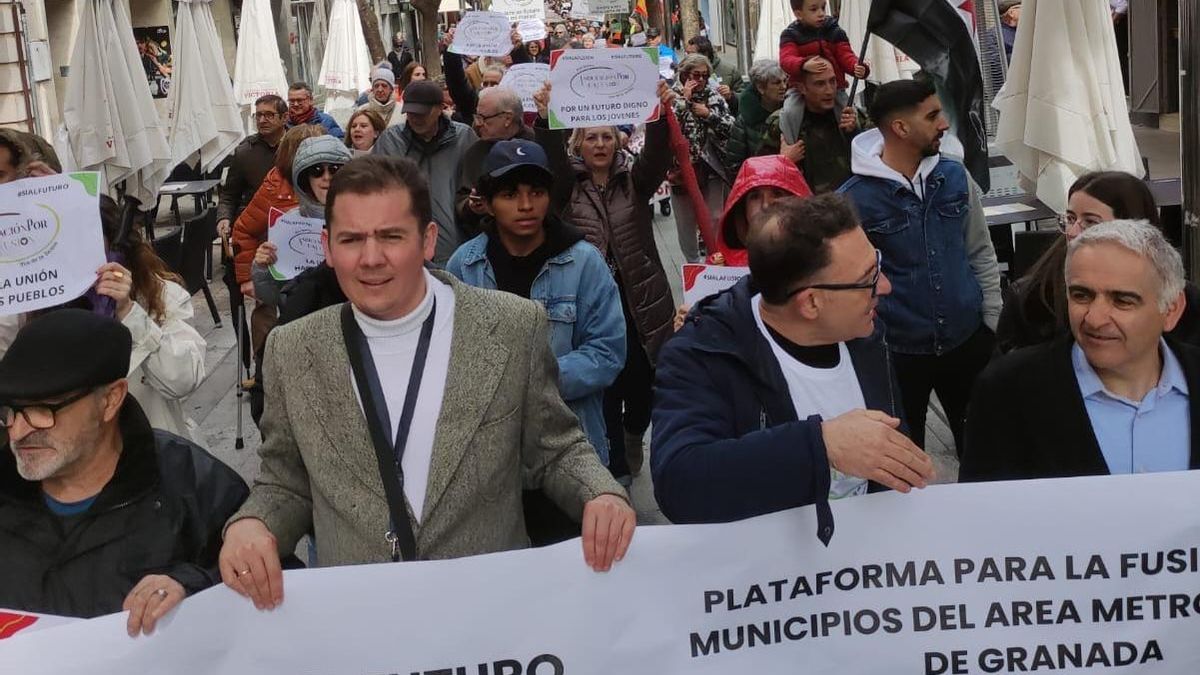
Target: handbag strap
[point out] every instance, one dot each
(389, 455)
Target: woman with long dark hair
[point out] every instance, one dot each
(1035, 309)
(137, 288)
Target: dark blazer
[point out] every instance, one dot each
(726, 443)
(1027, 417)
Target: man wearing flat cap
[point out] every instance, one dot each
(98, 512)
(437, 144)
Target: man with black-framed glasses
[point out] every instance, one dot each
(779, 392)
(251, 161)
(98, 512)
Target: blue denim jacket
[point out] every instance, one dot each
(936, 301)
(587, 328)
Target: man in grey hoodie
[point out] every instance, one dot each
(437, 144)
(922, 211)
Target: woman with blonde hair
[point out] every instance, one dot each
(605, 191)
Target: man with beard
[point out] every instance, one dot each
(917, 208)
(98, 512)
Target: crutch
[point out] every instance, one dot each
(239, 442)
(239, 324)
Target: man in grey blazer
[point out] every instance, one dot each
(470, 370)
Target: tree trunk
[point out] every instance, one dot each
(689, 16)
(370, 29)
(427, 13)
(656, 13)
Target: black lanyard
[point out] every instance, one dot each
(388, 454)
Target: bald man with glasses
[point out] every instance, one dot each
(99, 513)
(778, 392)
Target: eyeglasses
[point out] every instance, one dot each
(265, 115)
(1070, 220)
(483, 118)
(698, 75)
(321, 169)
(872, 284)
(293, 102)
(38, 415)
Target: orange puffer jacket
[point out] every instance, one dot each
(250, 229)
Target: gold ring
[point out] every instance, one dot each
(118, 274)
(243, 572)
(162, 592)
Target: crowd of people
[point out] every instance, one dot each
(477, 363)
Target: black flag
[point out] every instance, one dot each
(933, 34)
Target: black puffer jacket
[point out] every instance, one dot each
(162, 513)
(619, 221)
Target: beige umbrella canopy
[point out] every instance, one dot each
(1062, 109)
(109, 117)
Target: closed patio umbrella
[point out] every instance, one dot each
(204, 114)
(1062, 109)
(258, 70)
(110, 120)
(346, 69)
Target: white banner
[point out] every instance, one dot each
(1068, 575)
(483, 34)
(600, 87)
(51, 242)
(520, 10)
(526, 79)
(297, 242)
(701, 281)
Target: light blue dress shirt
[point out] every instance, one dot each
(1153, 435)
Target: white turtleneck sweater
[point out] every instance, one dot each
(393, 345)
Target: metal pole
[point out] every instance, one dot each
(1189, 128)
(743, 40)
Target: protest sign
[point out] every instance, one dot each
(1068, 575)
(701, 281)
(607, 6)
(595, 87)
(297, 241)
(532, 29)
(483, 34)
(520, 10)
(525, 79)
(51, 242)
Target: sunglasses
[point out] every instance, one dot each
(320, 170)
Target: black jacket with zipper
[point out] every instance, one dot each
(726, 441)
(161, 513)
